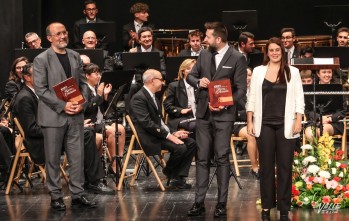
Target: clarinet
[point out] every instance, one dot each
(104, 154)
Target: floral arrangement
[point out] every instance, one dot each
(320, 177)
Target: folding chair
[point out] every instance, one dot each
(140, 153)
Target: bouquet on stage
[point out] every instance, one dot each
(320, 177)
(68, 91)
(220, 93)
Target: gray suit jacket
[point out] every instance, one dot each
(233, 66)
(48, 72)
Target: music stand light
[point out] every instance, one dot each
(239, 21)
(332, 16)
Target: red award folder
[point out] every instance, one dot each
(220, 93)
(68, 91)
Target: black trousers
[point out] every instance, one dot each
(181, 156)
(93, 169)
(211, 134)
(274, 147)
(5, 154)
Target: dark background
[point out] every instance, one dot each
(22, 16)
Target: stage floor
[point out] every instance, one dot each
(145, 201)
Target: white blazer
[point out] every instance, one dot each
(294, 100)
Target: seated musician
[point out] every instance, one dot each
(14, 83)
(140, 12)
(97, 103)
(330, 118)
(155, 135)
(180, 99)
(145, 38)
(306, 77)
(241, 130)
(89, 40)
(195, 39)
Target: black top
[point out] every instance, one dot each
(274, 100)
(64, 60)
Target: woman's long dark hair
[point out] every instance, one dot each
(284, 68)
(13, 76)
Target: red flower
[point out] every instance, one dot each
(311, 178)
(346, 194)
(337, 157)
(343, 166)
(339, 152)
(326, 199)
(295, 192)
(337, 178)
(296, 154)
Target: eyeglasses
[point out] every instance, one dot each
(33, 41)
(160, 79)
(90, 9)
(286, 38)
(57, 35)
(90, 38)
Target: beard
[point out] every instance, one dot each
(63, 44)
(212, 48)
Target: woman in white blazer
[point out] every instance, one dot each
(275, 105)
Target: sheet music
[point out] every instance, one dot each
(323, 61)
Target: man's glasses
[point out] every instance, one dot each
(286, 38)
(59, 34)
(90, 9)
(33, 41)
(160, 79)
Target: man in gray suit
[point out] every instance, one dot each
(214, 125)
(61, 122)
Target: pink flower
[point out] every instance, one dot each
(331, 184)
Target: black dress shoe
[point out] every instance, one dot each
(100, 188)
(265, 214)
(255, 174)
(220, 210)
(83, 201)
(58, 204)
(166, 172)
(180, 184)
(284, 216)
(196, 209)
